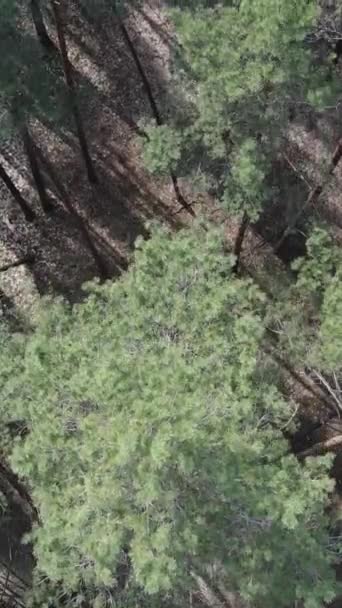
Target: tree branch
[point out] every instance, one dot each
(29, 259)
(322, 447)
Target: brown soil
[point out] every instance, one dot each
(115, 211)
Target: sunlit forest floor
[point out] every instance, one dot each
(113, 102)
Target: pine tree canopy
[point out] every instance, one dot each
(240, 69)
(154, 429)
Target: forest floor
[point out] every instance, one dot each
(113, 102)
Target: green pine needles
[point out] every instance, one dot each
(156, 436)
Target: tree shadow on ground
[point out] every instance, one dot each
(288, 194)
(113, 213)
(148, 14)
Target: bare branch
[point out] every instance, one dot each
(322, 447)
(330, 390)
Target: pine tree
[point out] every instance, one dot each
(156, 431)
(319, 278)
(302, 320)
(238, 70)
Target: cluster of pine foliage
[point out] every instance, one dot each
(148, 431)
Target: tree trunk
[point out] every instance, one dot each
(153, 104)
(40, 26)
(216, 597)
(208, 595)
(239, 241)
(180, 197)
(336, 157)
(140, 69)
(67, 68)
(301, 378)
(24, 206)
(36, 172)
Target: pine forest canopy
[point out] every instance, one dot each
(149, 427)
(243, 68)
(154, 430)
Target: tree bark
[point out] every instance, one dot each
(216, 597)
(153, 104)
(35, 169)
(239, 242)
(40, 27)
(180, 198)
(208, 595)
(24, 206)
(67, 68)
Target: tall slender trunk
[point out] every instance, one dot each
(136, 58)
(179, 195)
(239, 241)
(24, 206)
(153, 104)
(336, 157)
(40, 26)
(36, 172)
(67, 68)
